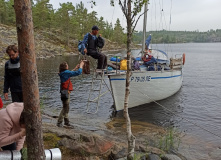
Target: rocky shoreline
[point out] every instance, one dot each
(81, 144)
(48, 44)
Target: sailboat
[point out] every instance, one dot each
(157, 79)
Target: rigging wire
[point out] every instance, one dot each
(160, 23)
(195, 124)
(164, 28)
(171, 4)
(112, 20)
(156, 19)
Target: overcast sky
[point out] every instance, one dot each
(189, 15)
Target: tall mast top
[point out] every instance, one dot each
(144, 27)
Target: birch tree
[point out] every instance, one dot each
(131, 10)
(24, 25)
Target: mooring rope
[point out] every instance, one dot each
(195, 124)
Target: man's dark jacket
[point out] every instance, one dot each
(12, 76)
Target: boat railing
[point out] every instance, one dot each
(176, 63)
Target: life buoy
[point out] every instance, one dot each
(145, 59)
(184, 58)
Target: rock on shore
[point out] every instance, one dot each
(82, 144)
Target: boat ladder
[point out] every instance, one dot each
(96, 87)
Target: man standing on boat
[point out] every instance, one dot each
(12, 78)
(90, 45)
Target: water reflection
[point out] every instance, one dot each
(154, 113)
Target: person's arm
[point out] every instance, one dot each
(85, 41)
(6, 82)
(5, 139)
(76, 68)
(77, 72)
(20, 142)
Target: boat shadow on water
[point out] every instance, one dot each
(156, 114)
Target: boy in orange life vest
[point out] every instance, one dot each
(66, 84)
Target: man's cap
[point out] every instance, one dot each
(95, 28)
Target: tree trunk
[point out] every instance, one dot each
(130, 136)
(29, 77)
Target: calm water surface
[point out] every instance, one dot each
(199, 99)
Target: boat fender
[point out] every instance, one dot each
(184, 58)
(145, 59)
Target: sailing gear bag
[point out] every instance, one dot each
(123, 64)
(86, 67)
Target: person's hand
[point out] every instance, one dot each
(85, 50)
(6, 96)
(81, 64)
(23, 131)
(77, 67)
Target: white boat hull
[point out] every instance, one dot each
(145, 87)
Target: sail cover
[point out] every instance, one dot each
(158, 54)
(148, 41)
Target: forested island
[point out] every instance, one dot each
(70, 22)
(181, 36)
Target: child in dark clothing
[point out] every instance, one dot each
(66, 84)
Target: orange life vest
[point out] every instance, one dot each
(64, 85)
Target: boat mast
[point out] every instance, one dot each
(144, 27)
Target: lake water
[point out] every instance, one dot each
(199, 99)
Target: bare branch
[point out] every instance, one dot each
(137, 7)
(125, 5)
(137, 20)
(123, 8)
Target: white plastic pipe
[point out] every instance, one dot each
(50, 154)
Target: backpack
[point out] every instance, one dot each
(80, 47)
(100, 42)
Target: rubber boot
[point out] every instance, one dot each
(66, 122)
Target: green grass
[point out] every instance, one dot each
(170, 141)
(42, 105)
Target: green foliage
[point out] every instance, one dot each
(7, 14)
(42, 14)
(24, 155)
(170, 141)
(119, 35)
(70, 21)
(138, 156)
(42, 106)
